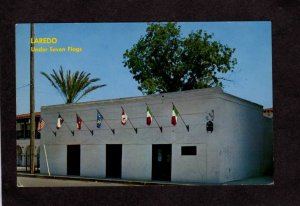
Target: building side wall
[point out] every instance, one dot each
(241, 141)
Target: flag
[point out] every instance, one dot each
(41, 124)
(78, 122)
(124, 117)
(175, 113)
(99, 119)
(60, 120)
(148, 116)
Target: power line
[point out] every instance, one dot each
(26, 85)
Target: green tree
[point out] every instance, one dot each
(72, 86)
(164, 61)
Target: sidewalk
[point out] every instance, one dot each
(248, 181)
(253, 181)
(104, 180)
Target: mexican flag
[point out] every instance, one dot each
(175, 113)
(149, 116)
(124, 117)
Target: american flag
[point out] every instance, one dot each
(41, 124)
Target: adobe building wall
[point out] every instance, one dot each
(210, 164)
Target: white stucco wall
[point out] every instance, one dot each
(57, 159)
(241, 139)
(136, 162)
(189, 168)
(221, 155)
(92, 160)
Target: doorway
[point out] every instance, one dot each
(161, 162)
(113, 160)
(73, 160)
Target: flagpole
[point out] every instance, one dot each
(49, 127)
(135, 129)
(187, 126)
(51, 130)
(46, 159)
(91, 131)
(67, 126)
(112, 130)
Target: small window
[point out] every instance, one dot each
(189, 150)
(20, 134)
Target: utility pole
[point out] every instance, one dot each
(32, 105)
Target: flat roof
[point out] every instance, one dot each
(169, 95)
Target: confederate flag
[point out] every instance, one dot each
(78, 122)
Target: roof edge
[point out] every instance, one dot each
(205, 91)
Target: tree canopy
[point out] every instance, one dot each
(164, 61)
(72, 86)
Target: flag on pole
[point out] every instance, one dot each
(78, 122)
(148, 116)
(60, 120)
(124, 117)
(41, 124)
(99, 119)
(175, 113)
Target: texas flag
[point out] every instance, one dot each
(174, 115)
(149, 116)
(124, 117)
(60, 120)
(99, 119)
(78, 122)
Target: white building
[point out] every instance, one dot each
(239, 146)
(23, 142)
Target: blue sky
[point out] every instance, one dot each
(103, 46)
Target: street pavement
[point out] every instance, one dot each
(49, 182)
(25, 180)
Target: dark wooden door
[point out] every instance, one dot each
(161, 162)
(73, 160)
(114, 161)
